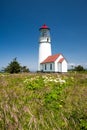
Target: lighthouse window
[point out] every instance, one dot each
(44, 33)
(45, 67)
(47, 39)
(50, 66)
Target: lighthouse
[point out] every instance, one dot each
(44, 44)
(46, 61)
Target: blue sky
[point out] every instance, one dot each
(20, 21)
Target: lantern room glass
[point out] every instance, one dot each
(44, 33)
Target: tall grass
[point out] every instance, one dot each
(43, 101)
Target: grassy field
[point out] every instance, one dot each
(37, 101)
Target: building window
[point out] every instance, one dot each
(50, 66)
(45, 67)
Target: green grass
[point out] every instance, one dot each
(43, 101)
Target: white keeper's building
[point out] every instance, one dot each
(48, 62)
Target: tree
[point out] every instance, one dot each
(24, 69)
(13, 67)
(79, 68)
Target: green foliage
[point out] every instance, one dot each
(79, 68)
(53, 98)
(24, 69)
(34, 83)
(80, 119)
(15, 67)
(43, 101)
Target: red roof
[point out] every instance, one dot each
(50, 58)
(61, 60)
(44, 27)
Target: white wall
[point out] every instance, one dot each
(44, 52)
(64, 66)
(59, 67)
(42, 67)
(56, 63)
(46, 39)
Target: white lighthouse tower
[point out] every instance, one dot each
(44, 44)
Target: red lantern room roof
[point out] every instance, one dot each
(45, 27)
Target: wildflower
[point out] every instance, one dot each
(26, 80)
(60, 106)
(61, 80)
